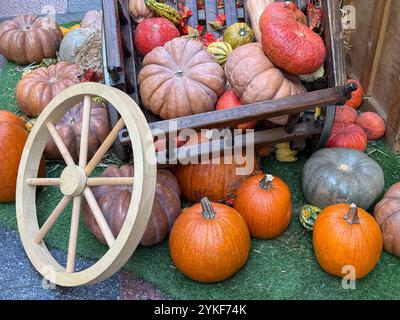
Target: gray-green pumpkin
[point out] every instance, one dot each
(71, 42)
(341, 175)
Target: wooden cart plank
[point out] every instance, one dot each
(230, 12)
(194, 19)
(173, 3)
(211, 13)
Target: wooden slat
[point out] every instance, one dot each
(376, 40)
(194, 19)
(173, 3)
(230, 12)
(211, 13)
(394, 113)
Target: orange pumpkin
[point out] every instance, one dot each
(356, 96)
(13, 136)
(345, 235)
(345, 114)
(373, 125)
(209, 242)
(264, 202)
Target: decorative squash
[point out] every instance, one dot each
(209, 242)
(12, 141)
(92, 19)
(71, 42)
(373, 125)
(114, 202)
(154, 32)
(164, 10)
(347, 135)
(180, 79)
(39, 87)
(220, 50)
(345, 235)
(282, 11)
(305, 52)
(238, 34)
(27, 39)
(387, 215)
(283, 152)
(217, 181)
(230, 100)
(264, 202)
(310, 78)
(69, 128)
(345, 114)
(255, 8)
(308, 215)
(333, 176)
(139, 11)
(254, 78)
(356, 96)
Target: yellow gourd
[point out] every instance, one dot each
(283, 153)
(255, 8)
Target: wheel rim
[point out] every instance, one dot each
(77, 187)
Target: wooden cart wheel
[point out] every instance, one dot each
(75, 182)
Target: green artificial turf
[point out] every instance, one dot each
(283, 268)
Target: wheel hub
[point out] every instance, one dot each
(73, 181)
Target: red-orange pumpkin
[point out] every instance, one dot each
(356, 96)
(230, 100)
(209, 242)
(282, 11)
(264, 202)
(347, 135)
(373, 125)
(345, 114)
(13, 136)
(292, 45)
(347, 237)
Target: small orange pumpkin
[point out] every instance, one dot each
(356, 96)
(345, 235)
(209, 242)
(264, 202)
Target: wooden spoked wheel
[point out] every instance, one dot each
(75, 183)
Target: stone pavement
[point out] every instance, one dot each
(20, 281)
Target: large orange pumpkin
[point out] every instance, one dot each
(209, 242)
(12, 141)
(27, 39)
(264, 202)
(217, 181)
(286, 10)
(345, 235)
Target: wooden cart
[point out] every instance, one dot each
(135, 126)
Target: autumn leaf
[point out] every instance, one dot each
(314, 15)
(220, 22)
(185, 13)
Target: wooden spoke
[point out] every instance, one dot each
(73, 234)
(98, 215)
(43, 182)
(60, 144)
(83, 149)
(51, 219)
(121, 181)
(104, 147)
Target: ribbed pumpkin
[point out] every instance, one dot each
(356, 96)
(114, 202)
(39, 87)
(139, 11)
(254, 78)
(373, 125)
(27, 39)
(338, 175)
(280, 10)
(230, 100)
(92, 19)
(347, 135)
(217, 181)
(69, 128)
(209, 242)
(180, 79)
(345, 114)
(387, 215)
(220, 50)
(238, 34)
(345, 235)
(264, 202)
(12, 141)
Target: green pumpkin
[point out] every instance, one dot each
(308, 215)
(220, 51)
(238, 34)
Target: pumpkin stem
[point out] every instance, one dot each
(352, 215)
(266, 182)
(208, 211)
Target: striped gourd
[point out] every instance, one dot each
(220, 50)
(164, 10)
(308, 215)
